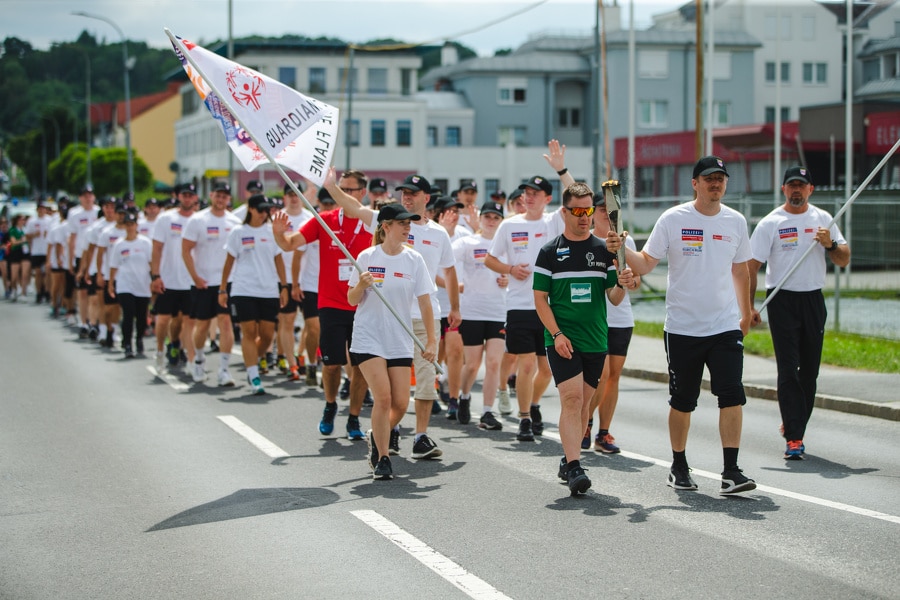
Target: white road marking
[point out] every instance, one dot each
(865, 512)
(471, 585)
(173, 381)
(249, 434)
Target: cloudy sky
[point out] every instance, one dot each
(484, 25)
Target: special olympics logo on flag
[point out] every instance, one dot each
(246, 88)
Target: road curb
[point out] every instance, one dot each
(765, 392)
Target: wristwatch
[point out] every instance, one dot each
(832, 247)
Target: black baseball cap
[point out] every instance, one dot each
(87, 189)
(128, 197)
(222, 187)
(444, 202)
(415, 183)
(471, 185)
(709, 165)
(301, 185)
(797, 174)
(395, 212)
(492, 207)
(152, 202)
(259, 202)
(378, 185)
(538, 183)
(254, 185)
(129, 217)
(186, 188)
(516, 193)
(499, 194)
(324, 196)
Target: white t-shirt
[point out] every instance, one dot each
(40, 228)
(482, 299)
(240, 212)
(108, 236)
(309, 268)
(93, 237)
(59, 234)
(518, 241)
(294, 225)
(621, 315)
(209, 233)
(145, 227)
(168, 230)
(77, 224)
(132, 259)
(401, 279)
(442, 295)
(254, 251)
(700, 296)
(781, 238)
(432, 242)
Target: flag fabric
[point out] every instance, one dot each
(300, 132)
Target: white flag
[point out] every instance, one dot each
(299, 131)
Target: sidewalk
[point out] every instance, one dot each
(846, 390)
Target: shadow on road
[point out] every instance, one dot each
(824, 468)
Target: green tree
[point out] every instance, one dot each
(109, 167)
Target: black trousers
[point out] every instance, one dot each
(134, 316)
(797, 323)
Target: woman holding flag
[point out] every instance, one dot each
(382, 351)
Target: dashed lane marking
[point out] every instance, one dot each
(249, 434)
(173, 381)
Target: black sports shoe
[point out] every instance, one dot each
(680, 478)
(139, 344)
(129, 353)
(394, 444)
(383, 470)
(436, 408)
(465, 413)
(537, 422)
(452, 409)
(489, 421)
(563, 471)
(735, 482)
(525, 434)
(425, 448)
(372, 458)
(345, 389)
(578, 480)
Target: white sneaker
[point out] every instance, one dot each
(160, 363)
(256, 386)
(198, 373)
(225, 379)
(505, 404)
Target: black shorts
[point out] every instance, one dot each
(310, 305)
(205, 303)
(58, 270)
(588, 365)
(38, 261)
(247, 308)
(79, 282)
(335, 334)
(69, 290)
(290, 308)
(618, 339)
(16, 255)
(723, 355)
(107, 299)
(476, 333)
(524, 332)
(445, 327)
(92, 286)
(173, 303)
(357, 359)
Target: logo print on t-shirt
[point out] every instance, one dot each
(692, 241)
(212, 232)
(248, 243)
(788, 237)
(377, 276)
(579, 292)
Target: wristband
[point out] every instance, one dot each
(563, 172)
(832, 247)
(223, 292)
(620, 286)
(154, 276)
(557, 334)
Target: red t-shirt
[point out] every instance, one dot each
(334, 267)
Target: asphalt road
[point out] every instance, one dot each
(113, 484)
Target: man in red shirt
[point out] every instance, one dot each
(335, 313)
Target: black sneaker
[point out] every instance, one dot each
(326, 425)
(394, 444)
(383, 470)
(93, 333)
(563, 470)
(452, 409)
(139, 345)
(465, 413)
(425, 448)
(735, 482)
(537, 422)
(436, 408)
(525, 433)
(578, 481)
(489, 421)
(129, 353)
(345, 389)
(680, 478)
(372, 457)
(83, 332)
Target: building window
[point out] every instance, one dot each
(347, 84)
(491, 186)
(432, 136)
(442, 184)
(511, 90)
(378, 132)
(569, 117)
(808, 28)
(406, 77)
(288, 76)
(653, 64)
(721, 114)
(785, 114)
(515, 135)
(190, 102)
(816, 73)
(353, 133)
(404, 132)
(317, 80)
(721, 66)
(378, 81)
(785, 72)
(653, 113)
(454, 136)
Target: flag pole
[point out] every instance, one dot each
(837, 216)
(267, 153)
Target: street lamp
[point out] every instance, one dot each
(126, 66)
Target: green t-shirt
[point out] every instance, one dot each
(576, 276)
